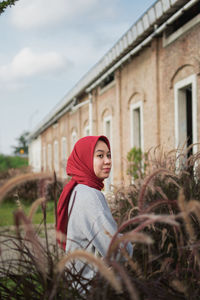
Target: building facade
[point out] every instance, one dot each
(144, 92)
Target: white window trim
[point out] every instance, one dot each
(191, 80)
(74, 134)
(35, 155)
(134, 106)
(44, 159)
(56, 156)
(105, 120)
(90, 111)
(87, 129)
(49, 157)
(63, 156)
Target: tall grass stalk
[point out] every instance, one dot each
(95, 261)
(159, 214)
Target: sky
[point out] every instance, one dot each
(46, 47)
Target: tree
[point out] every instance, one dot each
(22, 147)
(5, 4)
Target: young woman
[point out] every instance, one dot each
(83, 214)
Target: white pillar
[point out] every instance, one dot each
(90, 114)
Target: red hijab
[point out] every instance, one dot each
(80, 167)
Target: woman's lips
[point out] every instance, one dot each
(107, 170)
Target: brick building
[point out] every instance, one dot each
(144, 92)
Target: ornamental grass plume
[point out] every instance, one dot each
(27, 268)
(133, 293)
(193, 206)
(174, 255)
(141, 197)
(180, 287)
(31, 240)
(145, 220)
(187, 221)
(165, 235)
(157, 158)
(132, 263)
(103, 269)
(131, 236)
(187, 208)
(34, 207)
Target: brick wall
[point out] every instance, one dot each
(148, 77)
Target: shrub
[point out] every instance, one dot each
(12, 162)
(52, 188)
(27, 192)
(136, 163)
(30, 186)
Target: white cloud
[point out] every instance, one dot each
(36, 13)
(27, 63)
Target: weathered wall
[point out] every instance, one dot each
(148, 77)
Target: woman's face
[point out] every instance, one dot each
(102, 160)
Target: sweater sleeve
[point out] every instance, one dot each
(99, 230)
(102, 231)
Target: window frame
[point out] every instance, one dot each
(133, 107)
(107, 183)
(190, 80)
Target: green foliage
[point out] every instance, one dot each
(27, 192)
(22, 147)
(137, 166)
(5, 4)
(7, 209)
(12, 162)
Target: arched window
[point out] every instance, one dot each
(136, 111)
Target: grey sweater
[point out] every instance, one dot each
(90, 225)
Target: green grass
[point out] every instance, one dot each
(7, 209)
(12, 162)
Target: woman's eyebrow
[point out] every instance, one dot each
(101, 151)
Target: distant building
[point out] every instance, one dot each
(144, 92)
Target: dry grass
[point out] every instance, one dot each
(34, 207)
(159, 214)
(104, 270)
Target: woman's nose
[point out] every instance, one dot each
(107, 160)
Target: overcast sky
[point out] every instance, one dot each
(46, 47)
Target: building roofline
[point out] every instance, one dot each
(140, 32)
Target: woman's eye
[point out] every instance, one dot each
(109, 156)
(100, 155)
